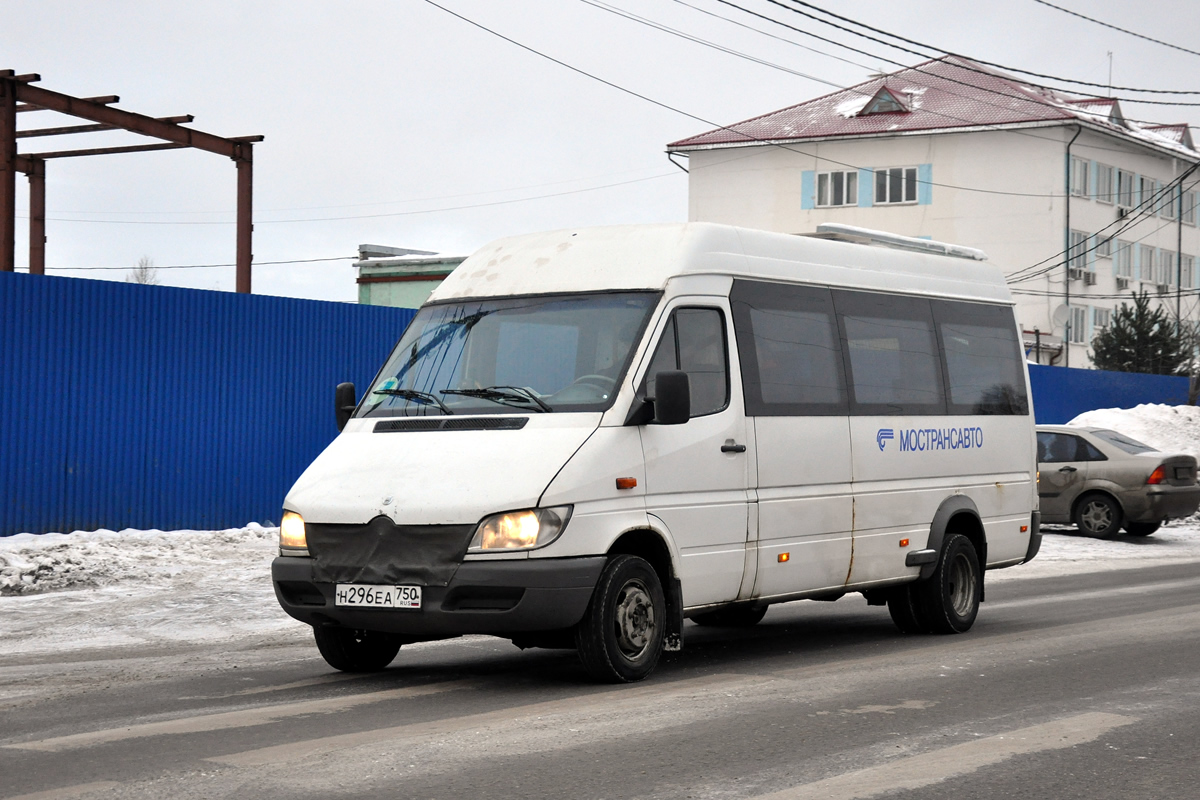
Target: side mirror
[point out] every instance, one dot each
(672, 398)
(344, 402)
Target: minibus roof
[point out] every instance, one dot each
(631, 257)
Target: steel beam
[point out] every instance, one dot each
(37, 216)
(8, 173)
(245, 215)
(138, 123)
(89, 128)
(107, 151)
(104, 100)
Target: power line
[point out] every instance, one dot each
(977, 60)
(1115, 28)
(794, 10)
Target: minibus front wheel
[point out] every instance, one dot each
(356, 651)
(620, 637)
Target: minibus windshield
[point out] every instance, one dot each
(544, 354)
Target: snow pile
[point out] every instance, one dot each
(1167, 428)
(32, 564)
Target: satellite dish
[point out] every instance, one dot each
(1061, 315)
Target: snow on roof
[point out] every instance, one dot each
(941, 94)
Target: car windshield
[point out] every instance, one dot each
(1124, 442)
(532, 354)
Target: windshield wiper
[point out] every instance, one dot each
(505, 395)
(416, 396)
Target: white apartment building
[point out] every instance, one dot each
(957, 152)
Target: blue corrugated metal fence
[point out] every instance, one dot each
(1060, 394)
(145, 406)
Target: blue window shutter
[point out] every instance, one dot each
(924, 186)
(866, 188)
(1090, 244)
(1092, 179)
(1136, 260)
(1137, 191)
(808, 189)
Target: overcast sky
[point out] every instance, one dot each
(396, 123)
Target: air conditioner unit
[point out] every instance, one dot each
(1089, 278)
(1162, 288)
(1076, 274)
(1122, 283)
(1123, 211)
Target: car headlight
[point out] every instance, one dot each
(292, 541)
(520, 530)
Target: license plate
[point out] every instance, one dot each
(1182, 473)
(370, 596)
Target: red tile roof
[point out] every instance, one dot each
(945, 93)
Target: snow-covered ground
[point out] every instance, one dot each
(61, 592)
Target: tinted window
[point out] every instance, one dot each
(1124, 442)
(892, 353)
(694, 341)
(1056, 448)
(791, 358)
(984, 373)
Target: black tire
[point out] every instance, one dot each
(1142, 528)
(356, 651)
(949, 600)
(735, 617)
(620, 637)
(906, 610)
(1098, 515)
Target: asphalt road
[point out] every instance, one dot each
(1085, 686)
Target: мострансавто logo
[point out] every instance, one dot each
(922, 439)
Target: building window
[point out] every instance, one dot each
(1125, 188)
(1146, 194)
(1169, 204)
(837, 189)
(1104, 183)
(1079, 246)
(1101, 317)
(1187, 276)
(1166, 268)
(1079, 177)
(895, 185)
(1103, 247)
(1124, 259)
(1146, 262)
(1079, 317)
(1189, 208)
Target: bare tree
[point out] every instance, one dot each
(144, 272)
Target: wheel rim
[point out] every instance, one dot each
(961, 588)
(635, 620)
(1096, 516)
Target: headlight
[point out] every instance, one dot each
(520, 530)
(292, 541)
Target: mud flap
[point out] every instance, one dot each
(673, 637)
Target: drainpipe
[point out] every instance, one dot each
(1067, 268)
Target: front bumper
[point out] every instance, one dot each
(485, 597)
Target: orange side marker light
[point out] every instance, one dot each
(904, 542)
(626, 483)
(1024, 528)
(782, 557)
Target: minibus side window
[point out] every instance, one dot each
(694, 341)
(788, 342)
(892, 353)
(984, 373)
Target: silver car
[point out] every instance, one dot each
(1102, 480)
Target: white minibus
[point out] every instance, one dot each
(586, 437)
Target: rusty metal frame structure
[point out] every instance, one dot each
(18, 95)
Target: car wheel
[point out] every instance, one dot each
(906, 610)
(1098, 515)
(356, 651)
(737, 617)
(620, 637)
(1141, 528)
(949, 599)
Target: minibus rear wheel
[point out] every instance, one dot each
(949, 599)
(356, 651)
(620, 637)
(905, 608)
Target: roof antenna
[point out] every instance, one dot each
(1110, 73)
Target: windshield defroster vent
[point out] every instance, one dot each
(451, 424)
